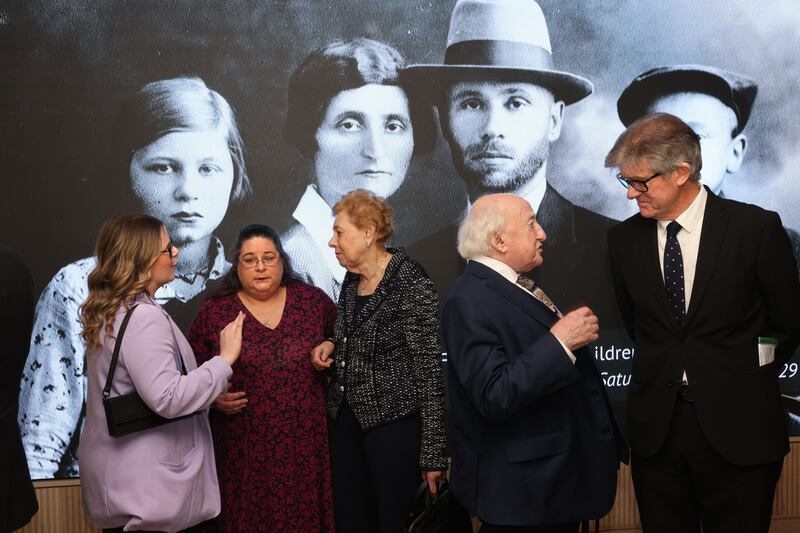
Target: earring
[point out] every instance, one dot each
(367, 243)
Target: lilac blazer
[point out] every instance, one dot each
(162, 478)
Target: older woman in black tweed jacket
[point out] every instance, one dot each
(386, 397)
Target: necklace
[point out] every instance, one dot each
(260, 311)
(365, 284)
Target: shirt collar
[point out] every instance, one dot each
(693, 216)
(220, 265)
(310, 213)
(175, 290)
(533, 191)
(498, 266)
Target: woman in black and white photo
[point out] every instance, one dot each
(351, 117)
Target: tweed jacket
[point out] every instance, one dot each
(388, 357)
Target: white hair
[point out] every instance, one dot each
(476, 229)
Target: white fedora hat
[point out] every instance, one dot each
(500, 40)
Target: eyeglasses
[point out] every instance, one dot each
(636, 185)
(170, 249)
(251, 262)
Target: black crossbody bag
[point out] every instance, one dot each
(127, 413)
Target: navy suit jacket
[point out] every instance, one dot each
(746, 286)
(531, 435)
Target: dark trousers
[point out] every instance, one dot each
(556, 528)
(375, 473)
(688, 483)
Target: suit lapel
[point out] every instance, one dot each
(562, 251)
(652, 268)
(715, 220)
(349, 296)
(556, 215)
(377, 298)
(522, 300)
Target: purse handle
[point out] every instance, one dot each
(423, 490)
(114, 356)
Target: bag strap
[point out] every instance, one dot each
(115, 355)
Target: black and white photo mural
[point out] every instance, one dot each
(214, 115)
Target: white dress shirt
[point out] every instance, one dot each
(691, 222)
(533, 191)
(509, 274)
(316, 216)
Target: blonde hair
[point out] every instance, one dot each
(366, 209)
(127, 248)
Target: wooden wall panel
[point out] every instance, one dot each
(787, 495)
(60, 509)
(624, 514)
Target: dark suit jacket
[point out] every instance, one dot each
(17, 498)
(746, 286)
(575, 270)
(531, 436)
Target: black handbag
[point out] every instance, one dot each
(442, 514)
(127, 413)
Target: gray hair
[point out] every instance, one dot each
(662, 140)
(476, 228)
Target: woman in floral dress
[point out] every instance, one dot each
(270, 431)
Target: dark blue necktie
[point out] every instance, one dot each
(673, 273)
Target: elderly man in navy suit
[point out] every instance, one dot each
(534, 446)
(709, 292)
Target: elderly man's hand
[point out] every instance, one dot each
(577, 328)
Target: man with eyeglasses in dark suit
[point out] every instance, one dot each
(708, 290)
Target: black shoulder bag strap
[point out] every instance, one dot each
(118, 344)
(115, 355)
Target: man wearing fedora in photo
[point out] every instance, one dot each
(501, 104)
(715, 103)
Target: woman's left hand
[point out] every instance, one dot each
(321, 355)
(434, 479)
